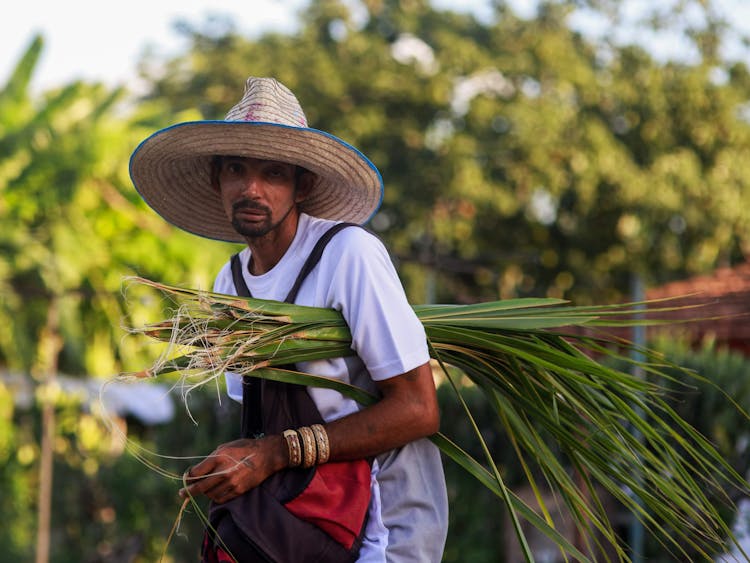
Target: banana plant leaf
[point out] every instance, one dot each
(576, 425)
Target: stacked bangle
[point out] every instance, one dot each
(309, 449)
(293, 445)
(321, 440)
(307, 445)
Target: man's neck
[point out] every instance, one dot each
(270, 248)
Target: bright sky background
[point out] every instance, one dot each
(99, 40)
(102, 41)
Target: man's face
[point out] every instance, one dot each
(258, 195)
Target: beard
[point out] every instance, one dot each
(261, 226)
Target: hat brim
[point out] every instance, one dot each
(171, 172)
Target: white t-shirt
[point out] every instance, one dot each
(408, 512)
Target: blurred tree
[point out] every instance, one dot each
(70, 229)
(72, 226)
(520, 157)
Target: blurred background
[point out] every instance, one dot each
(591, 150)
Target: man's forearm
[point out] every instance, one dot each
(407, 411)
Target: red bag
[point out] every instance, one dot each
(336, 500)
(297, 515)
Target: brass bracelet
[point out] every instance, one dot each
(309, 451)
(293, 445)
(321, 441)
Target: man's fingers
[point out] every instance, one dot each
(205, 467)
(190, 477)
(220, 491)
(215, 488)
(222, 475)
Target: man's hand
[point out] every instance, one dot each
(236, 467)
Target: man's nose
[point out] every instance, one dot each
(252, 184)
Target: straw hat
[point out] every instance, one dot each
(171, 168)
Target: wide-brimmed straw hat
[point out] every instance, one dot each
(171, 168)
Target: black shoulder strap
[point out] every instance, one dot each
(312, 260)
(239, 282)
(252, 423)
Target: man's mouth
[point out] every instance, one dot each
(244, 209)
(244, 212)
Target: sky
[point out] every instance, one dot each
(102, 41)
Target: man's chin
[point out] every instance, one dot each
(251, 231)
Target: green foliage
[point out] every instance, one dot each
(107, 505)
(73, 227)
(476, 519)
(124, 511)
(704, 402)
(715, 404)
(16, 481)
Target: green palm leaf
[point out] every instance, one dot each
(574, 423)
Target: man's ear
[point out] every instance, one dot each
(305, 183)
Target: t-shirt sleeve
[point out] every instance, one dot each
(223, 283)
(386, 333)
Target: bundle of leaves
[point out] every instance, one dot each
(577, 426)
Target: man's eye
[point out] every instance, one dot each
(234, 167)
(275, 172)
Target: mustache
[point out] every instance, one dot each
(245, 203)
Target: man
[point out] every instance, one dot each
(263, 177)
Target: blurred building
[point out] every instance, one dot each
(714, 306)
(146, 402)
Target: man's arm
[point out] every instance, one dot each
(407, 411)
